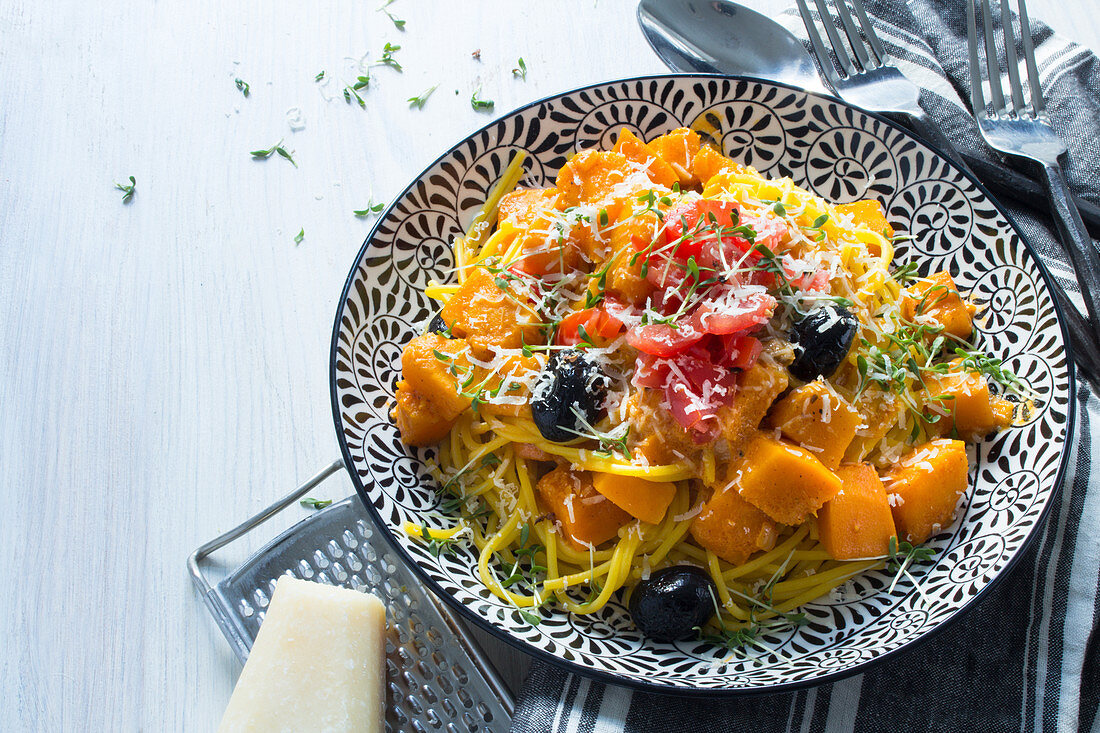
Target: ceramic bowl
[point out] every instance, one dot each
(840, 153)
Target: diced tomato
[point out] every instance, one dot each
(659, 339)
(686, 217)
(741, 352)
(617, 309)
(813, 281)
(596, 322)
(688, 408)
(728, 313)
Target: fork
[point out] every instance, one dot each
(871, 80)
(878, 84)
(1024, 131)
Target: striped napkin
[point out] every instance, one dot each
(1028, 657)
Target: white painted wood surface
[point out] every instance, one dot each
(163, 364)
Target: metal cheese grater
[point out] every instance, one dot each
(436, 676)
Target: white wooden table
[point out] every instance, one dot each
(163, 364)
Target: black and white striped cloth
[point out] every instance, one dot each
(1027, 658)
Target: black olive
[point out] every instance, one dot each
(571, 382)
(821, 340)
(672, 602)
(438, 325)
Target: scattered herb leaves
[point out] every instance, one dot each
(438, 545)
(372, 209)
(349, 92)
(387, 57)
(243, 86)
(419, 100)
(276, 148)
(477, 103)
(127, 191)
(299, 236)
(398, 23)
(520, 70)
(906, 274)
(320, 75)
(310, 503)
(902, 555)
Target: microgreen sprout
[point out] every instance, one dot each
(479, 104)
(902, 556)
(127, 191)
(438, 545)
(419, 100)
(398, 23)
(520, 70)
(387, 57)
(243, 86)
(372, 209)
(351, 92)
(906, 274)
(741, 637)
(268, 152)
(310, 503)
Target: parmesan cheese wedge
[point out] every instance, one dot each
(317, 664)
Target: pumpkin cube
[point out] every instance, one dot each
(513, 397)
(434, 367)
(586, 517)
(678, 148)
(966, 407)
(637, 151)
(757, 388)
(784, 481)
(709, 162)
(645, 500)
(525, 206)
(417, 419)
(856, 523)
(818, 419)
(732, 528)
(487, 316)
(879, 411)
(597, 176)
(924, 487)
(868, 213)
(937, 299)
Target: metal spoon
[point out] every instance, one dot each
(725, 38)
(722, 37)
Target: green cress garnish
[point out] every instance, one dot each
(387, 57)
(419, 101)
(311, 503)
(268, 152)
(371, 210)
(350, 92)
(398, 23)
(480, 103)
(299, 236)
(520, 70)
(127, 191)
(243, 86)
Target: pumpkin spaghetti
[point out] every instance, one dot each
(668, 360)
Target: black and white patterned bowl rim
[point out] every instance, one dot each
(840, 153)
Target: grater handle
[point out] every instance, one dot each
(248, 525)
